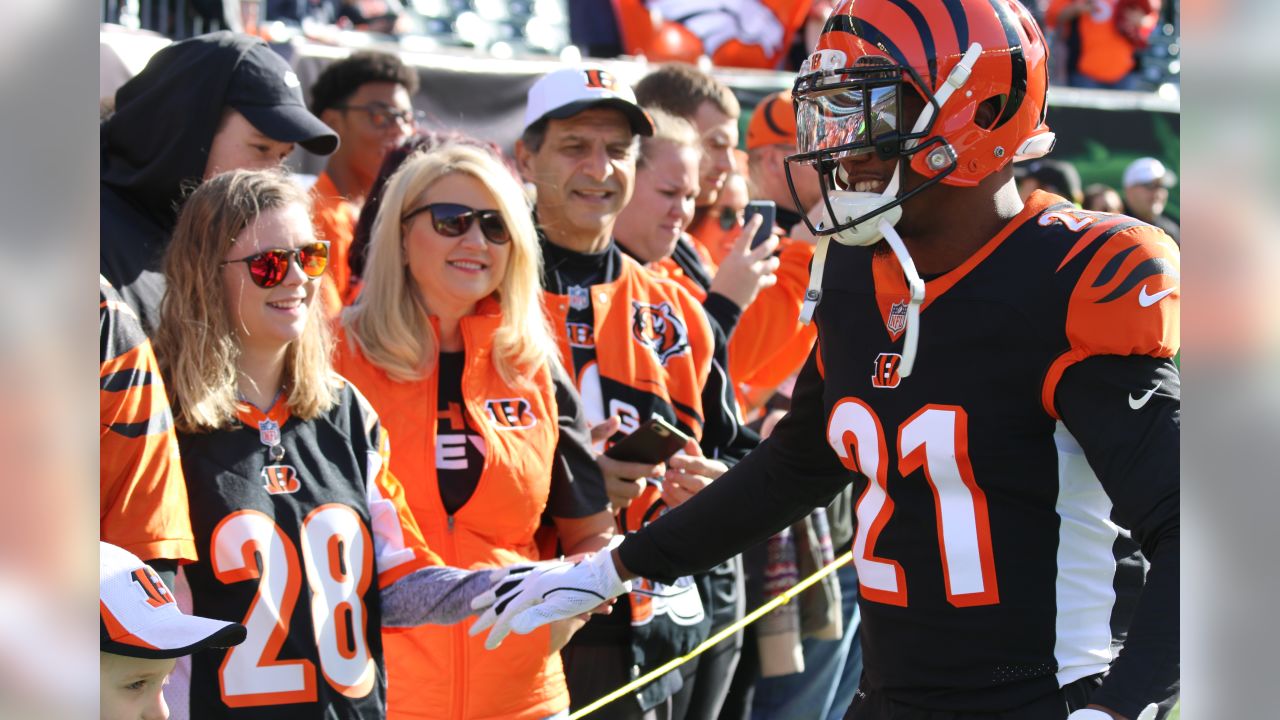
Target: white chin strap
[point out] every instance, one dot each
(848, 205)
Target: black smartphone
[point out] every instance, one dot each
(653, 442)
(769, 210)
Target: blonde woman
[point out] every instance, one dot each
(449, 340)
(302, 531)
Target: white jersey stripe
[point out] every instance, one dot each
(1086, 566)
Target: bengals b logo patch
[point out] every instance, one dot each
(157, 594)
(885, 374)
(658, 328)
(510, 413)
(280, 479)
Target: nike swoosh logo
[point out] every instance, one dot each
(1137, 402)
(1146, 300)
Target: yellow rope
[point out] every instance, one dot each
(714, 639)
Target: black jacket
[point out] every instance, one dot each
(154, 150)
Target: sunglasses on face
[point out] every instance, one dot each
(454, 220)
(269, 268)
(382, 116)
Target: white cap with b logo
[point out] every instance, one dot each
(138, 616)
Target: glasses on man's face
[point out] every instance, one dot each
(269, 268)
(454, 220)
(383, 115)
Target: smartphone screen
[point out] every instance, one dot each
(769, 210)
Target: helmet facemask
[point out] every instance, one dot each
(846, 111)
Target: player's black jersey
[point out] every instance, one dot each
(983, 542)
(296, 546)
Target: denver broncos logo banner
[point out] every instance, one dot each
(658, 328)
(510, 413)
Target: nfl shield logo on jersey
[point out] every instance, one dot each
(268, 432)
(897, 321)
(579, 297)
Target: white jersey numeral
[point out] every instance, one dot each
(337, 561)
(934, 440)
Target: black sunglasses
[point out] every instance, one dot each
(454, 220)
(269, 268)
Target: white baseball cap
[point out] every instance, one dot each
(1148, 169)
(138, 616)
(567, 92)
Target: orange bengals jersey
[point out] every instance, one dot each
(297, 547)
(142, 495)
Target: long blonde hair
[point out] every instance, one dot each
(195, 343)
(390, 321)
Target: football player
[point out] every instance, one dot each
(994, 377)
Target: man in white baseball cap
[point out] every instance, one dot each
(638, 345)
(1146, 190)
(142, 633)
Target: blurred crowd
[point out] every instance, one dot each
(1116, 44)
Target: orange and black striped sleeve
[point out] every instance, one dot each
(143, 494)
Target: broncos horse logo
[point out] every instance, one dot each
(658, 328)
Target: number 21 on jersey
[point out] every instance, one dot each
(935, 439)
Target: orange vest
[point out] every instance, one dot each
(440, 672)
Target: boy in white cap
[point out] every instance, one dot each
(142, 634)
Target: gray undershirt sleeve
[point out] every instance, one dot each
(432, 596)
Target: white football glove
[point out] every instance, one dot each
(1148, 713)
(501, 579)
(551, 592)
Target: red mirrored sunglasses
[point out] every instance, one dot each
(269, 268)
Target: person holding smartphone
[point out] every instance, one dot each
(638, 346)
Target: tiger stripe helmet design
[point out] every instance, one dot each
(881, 45)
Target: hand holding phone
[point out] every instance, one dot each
(769, 210)
(653, 442)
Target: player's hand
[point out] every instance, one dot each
(688, 472)
(744, 272)
(555, 591)
(502, 580)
